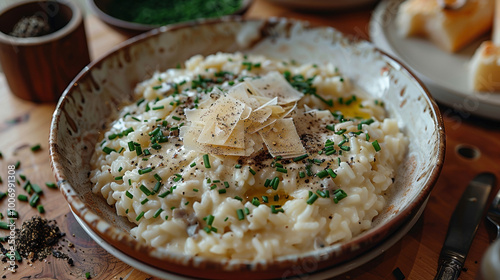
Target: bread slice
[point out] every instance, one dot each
(485, 68)
(448, 28)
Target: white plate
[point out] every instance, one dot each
(445, 74)
(319, 5)
(324, 274)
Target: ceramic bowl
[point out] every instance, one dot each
(100, 88)
(101, 9)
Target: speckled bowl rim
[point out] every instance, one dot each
(324, 256)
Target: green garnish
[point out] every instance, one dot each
(282, 170)
(34, 200)
(299, 158)
(22, 197)
(322, 174)
(376, 145)
(312, 199)
(252, 171)
(237, 166)
(144, 201)
(240, 214)
(338, 195)
(40, 209)
(157, 213)
(36, 147)
(145, 190)
(108, 150)
(206, 161)
(145, 170)
(140, 216)
(129, 195)
(275, 209)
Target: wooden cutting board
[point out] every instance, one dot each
(24, 124)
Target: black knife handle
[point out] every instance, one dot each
(449, 268)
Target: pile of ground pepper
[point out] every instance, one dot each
(37, 237)
(33, 26)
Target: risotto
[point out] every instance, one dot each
(232, 156)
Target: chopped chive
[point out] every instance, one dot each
(226, 219)
(282, 170)
(87, 275)
(226, 184)
(108, 150)
(34, 200)
(40, 209)
(206, 161)
(157, 213)
(192, 164)
(35, 148)
(131, 146)
(144, 201)
(22, 176)
(278, 164)
(163, 195)
(342, 142)
(252, 171)
(331, 152)
(145, 190)
(17, 165)
(158, 107)
(338, 195)
(331, 173)
(138, 149)
(216, 181)
(255, 201)
(12, 214)
(312, 199)
(210, 219)
(276, 197)
(238, 198)
(237, 166)
(176, 118)
(4, 225)
(265, 199)
(36, 188)
(221, 191)
(118, 178)
(240, 214)
(367, 137)
(157, 177)
(322, 174)
(145, 170)
(173, 128)
(247, 211)
(129, 195)
(317, 161)
(308, 170)
(330, 127)
(376, 145)
(321, 193)
(130, 182)
(157, 187)
(267, 183)
(275, 209)
(166, 218)
(341, 131)
(302, 174)
(213, 186)
(275, 183)
(140, 216)
(345, 148)
(195, 190)
(299, 158)
(22, 197)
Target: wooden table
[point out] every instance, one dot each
(24, 124)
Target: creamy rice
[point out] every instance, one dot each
(152, 161)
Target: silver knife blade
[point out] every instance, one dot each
(463, 226)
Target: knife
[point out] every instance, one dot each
(463, 225)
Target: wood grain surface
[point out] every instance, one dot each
(24, 124)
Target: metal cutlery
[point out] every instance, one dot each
(493, 214)
(463, 226)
